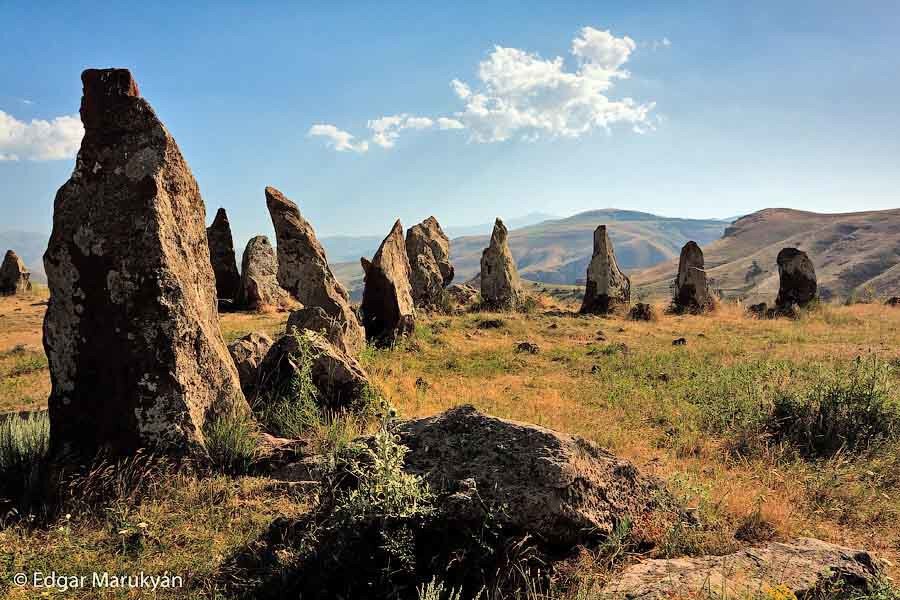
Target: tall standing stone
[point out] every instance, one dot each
(14, 277)
(428, 250)
(691, 286)
(131, 330)
(797, 279)
(259, 289)
(607, 286)
(303, 268)
(387, 303)
(221, 255)
(500, 284)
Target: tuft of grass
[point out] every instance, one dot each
(232, 440)
(24, 444)
(292, 408)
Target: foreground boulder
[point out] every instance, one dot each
(691, 286)
(131, 330)
(221, 255)
(247, 353)
(806, 568)
(259, 289)
(501, 287)
(607, 287)
(14, 277)
(461, 295)
(387, 304)
(340, 381)
(314, 318)
(797, 279)
(428, 250)
(303, 268)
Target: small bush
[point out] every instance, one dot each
(292, 408)
(24, 444)
(232, 442)
(849, 411)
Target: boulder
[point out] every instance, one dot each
(221, 255)
(428, 250)
(303, 268)
(259, 289)
(131, 330)
(805, 568)
(642, 311)
(461, 294)
(340, 381)
(14, 277)
(797, 279)
(893, 301)
(607, 288)
(559, 489)
(501, 287)
(247, 353)
(314, 318)
(691, 287)
(387, 304)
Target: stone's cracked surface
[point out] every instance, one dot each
(501, 287)
(607, 287)
(387, 304)
(221, 255)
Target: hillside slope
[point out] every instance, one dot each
(852, 253)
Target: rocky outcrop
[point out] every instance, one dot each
(131, 330)
(221, 255)
(247, 353)
(387, 305)
(14, 276)
(303, 268)
(259, 289)
(461, 295)
(691, 287)
(314, 318)
(560, 489)
(607, 288)
(428, 251)
(797, 278)
(340, 381)
(806, 568)
(501, 287)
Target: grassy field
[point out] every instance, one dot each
(699, 415)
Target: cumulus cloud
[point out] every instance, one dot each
(520, 95)
(338, 139)
(39, 139)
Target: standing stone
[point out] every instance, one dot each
(607, 287)
(797, 279)
(259, 289)
(691, 287)
(131, 330)
(501, 287)
(387, 304)
(428, 250)
(14, 277)
(221, 255)
(303, 268)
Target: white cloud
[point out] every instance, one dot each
(521, 95)
(337, 139)
(39, 139)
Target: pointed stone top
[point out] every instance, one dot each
(397, 229)
(221, 217)
(499, 235)
(692, 255)
(275, 199)
(104, 90)
(601, 240)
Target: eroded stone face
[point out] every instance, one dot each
(691, 286)
(607, 287)
(131, 330)
(387, 304)
(500, 284)
(14, 276)
(797, 279)
(428, 251)
(259, 289)
(303, 268)
(221, 255)
(247, 353)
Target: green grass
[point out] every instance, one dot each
(24, 443)
(232, 441)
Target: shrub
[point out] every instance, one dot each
(232, 442)
(24, 443)
(292, 407)
(848, 411)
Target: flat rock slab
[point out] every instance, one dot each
(803, 566)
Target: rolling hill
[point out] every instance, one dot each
(852, 253)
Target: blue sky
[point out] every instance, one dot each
(736, 107)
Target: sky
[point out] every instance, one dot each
(364, 112)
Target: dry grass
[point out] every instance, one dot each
(632, 391)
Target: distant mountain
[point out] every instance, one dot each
(30, 247)
(851, 252)
(486, 228)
